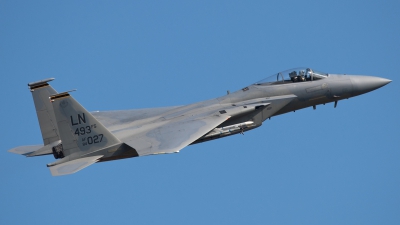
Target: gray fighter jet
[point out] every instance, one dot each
(79, 138)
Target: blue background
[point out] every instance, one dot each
(328, 166)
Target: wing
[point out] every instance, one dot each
(117, 117)
(172, 136)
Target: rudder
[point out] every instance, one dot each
(41, 92)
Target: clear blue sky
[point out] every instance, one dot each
(328, 166)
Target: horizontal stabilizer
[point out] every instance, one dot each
(73, 166)
(35, 150)
(45, 150)
(24, 150)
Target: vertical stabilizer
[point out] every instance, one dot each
(80, 132)
(41, 92)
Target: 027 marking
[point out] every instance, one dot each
(92, 139)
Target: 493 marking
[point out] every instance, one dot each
(84, 130)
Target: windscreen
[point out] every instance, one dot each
(301, 74)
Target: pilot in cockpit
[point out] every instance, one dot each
(308, 74)
(297, 78)
(293, 76)
(301, 76)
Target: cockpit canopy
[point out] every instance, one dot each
(301, 74)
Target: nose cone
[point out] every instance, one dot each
(364, 84)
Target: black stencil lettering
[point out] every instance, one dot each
(72, 122)
(82, 130)
(77, 131)
(90, 140)
(81, 118)
(96, 139)
(88, 130)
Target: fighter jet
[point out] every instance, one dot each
(78, 138)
